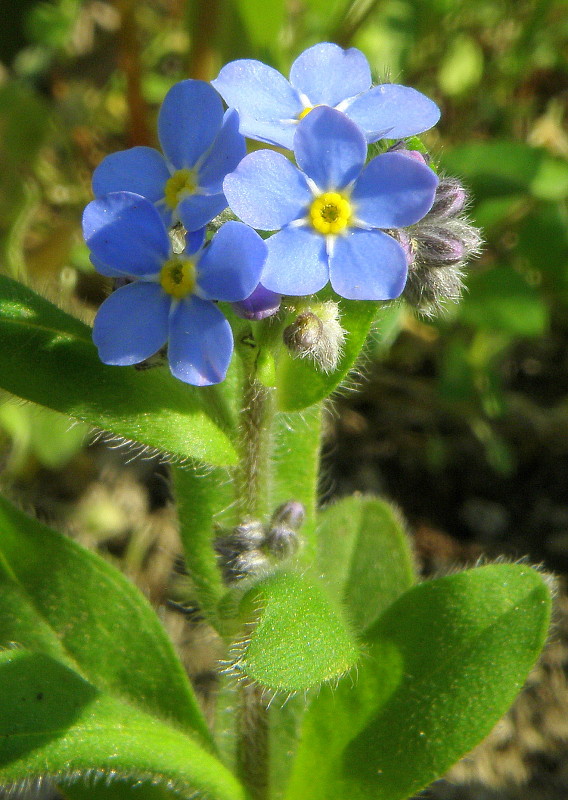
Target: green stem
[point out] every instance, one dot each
(252, 495)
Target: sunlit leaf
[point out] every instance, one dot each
(441, 666)
(48, 357)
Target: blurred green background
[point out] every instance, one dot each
(463, 419)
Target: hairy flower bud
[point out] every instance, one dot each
(291, 513)
(317, 334)
(450, 200)
(282, 542)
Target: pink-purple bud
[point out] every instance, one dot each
(450, 199)
(260, 304)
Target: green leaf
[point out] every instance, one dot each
(263, 20)
(502, 300)
(199, 498)
(66, 602)
(442, 665)
(364, 556)
(299, 640)
(494, 168)
(300, 383)
(55, 724)
(48, 357)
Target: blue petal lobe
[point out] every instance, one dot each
(327, 74)
(189, 120)
(393, 191)
(196, 210)
(263, 98)
(329, 148)
(368, 265)
(132, 323)
(200, 344)
(226, 151)
(297, 262)
(194, 241)
(393, 111)
(231, 265)
(140, 169)
(109, 272)
(125, 232)
(267, 191)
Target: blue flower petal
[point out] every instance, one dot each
(126, 232)
(194, 241)
(393, 111)
(367, 265)
(140, 169)
(227, 150)
(264, 99)
(327, 74)
(196, 210)
(200, 344)
(262, 303)
(393, 191)
(189, 120)
(297, 262)
(132, 323)
(231, 265)
(329, 148)
(109, 272)
(267, 191)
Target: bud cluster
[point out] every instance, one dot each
(438, 247)
(252, 547)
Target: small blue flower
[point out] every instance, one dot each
(171, 297)
(329, 212)
(270, 107)
(201, 145)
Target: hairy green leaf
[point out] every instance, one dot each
(442, 665)
(299, 639)
(364, 556)
(48, 357)
(55, 724)
(59, 599)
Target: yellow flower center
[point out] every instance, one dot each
(330, 213)
(178, 277)
(305, 111)
(182, 182)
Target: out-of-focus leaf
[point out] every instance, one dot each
(62, 600)
(55, 724)
(491, 169)
(48, 357)
(364, 556)
(442, 665)
(299, 640)
(263, 20)
(551, 180)
(502, 300)
(462, 66)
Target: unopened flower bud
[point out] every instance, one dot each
(262, 303)
(291, 514)
(400, 147)
(317, 334)
(450, 200)
(282, 542)
(439, 245)
(245, 565)
(428, 288)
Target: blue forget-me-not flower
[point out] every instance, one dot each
(201, 145)
(270, 107)
(332, 212)
(171, 296)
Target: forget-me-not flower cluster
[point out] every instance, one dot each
(331, 216)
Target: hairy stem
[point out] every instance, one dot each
(252, 494)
